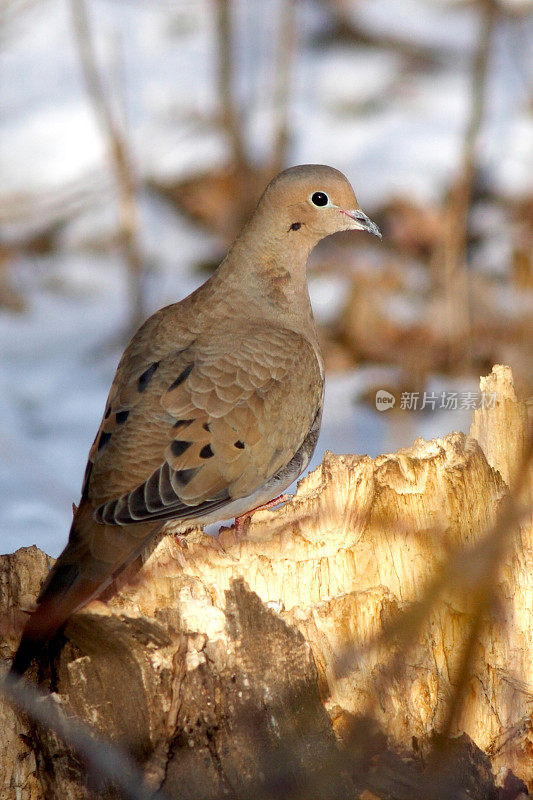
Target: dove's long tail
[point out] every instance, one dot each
(81, 573)
(65, 592)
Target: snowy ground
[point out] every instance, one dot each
(391, 127)
(360, 110)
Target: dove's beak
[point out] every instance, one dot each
(363, 223)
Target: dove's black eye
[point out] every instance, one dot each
(320, 199)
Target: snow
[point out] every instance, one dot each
(328, 293)
(389, 127)
(432, 24)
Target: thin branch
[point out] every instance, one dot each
(104, 760)
(231, 118)
(282, 78)
(452, 259)
(120, 159)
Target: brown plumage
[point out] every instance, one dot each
(216, 403)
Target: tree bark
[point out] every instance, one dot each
(319, 656)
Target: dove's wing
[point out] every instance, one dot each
(204, 426)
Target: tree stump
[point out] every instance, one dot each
(318, 656)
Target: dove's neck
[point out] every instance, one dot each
(265, 278)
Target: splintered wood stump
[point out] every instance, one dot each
(321, 655)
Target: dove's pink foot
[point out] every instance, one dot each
(241, 521)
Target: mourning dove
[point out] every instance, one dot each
(216, 404)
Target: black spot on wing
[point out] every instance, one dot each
(122, 416)
(238, 444)
(104, 438)
(147, 376)
(206, 452)
(181, 423)
(181, 377)
(179, 447)
(107, 412)
(206, 427)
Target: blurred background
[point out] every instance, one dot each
(134, 141)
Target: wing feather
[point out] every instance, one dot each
(206, 426)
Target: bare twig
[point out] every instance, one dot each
(283, 64)
(38, 211)
(230, 116)
(451, 260)
(119, 156)
(350, 29)
(104, 760)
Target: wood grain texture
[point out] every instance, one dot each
(217, 664)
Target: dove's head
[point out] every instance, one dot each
(301, 206)
(310, 202)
